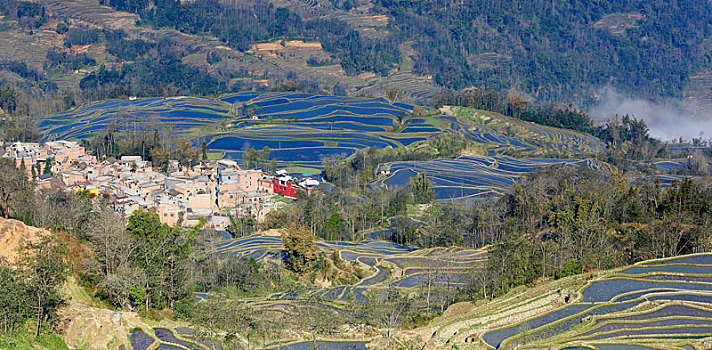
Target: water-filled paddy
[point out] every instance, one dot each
(602, 291)
(615, 309)
(686, 269)
(257, 119)
(470, 176)
(325, 345)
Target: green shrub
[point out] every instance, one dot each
(572, 267)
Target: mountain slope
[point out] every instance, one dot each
(665, 303)
(568, 52)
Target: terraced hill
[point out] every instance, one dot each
(657, 304)
(427, 276)
(472, 177)
(676, 166)
(303, 129)
(388, 265)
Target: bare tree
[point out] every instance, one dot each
(391, 311)
(483, 278)
(113, 246)
(63, 211)
(14, 188)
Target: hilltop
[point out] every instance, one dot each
(86, 50)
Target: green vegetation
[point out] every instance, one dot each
(556, 53)
(144, 265)
(21, 340)
(8, 100)
(30, 292)
(565, 117)
(258, 159)
(162, 253)
(300, 248)
(479, 43)
(259, 20)
(159, 147)
(31, 15)
(564, 221)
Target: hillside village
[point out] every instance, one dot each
(209, 192)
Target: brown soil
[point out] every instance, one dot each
(13, 235)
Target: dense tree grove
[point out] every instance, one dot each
(553, 52)
(31, 15)
(565, 220)
(156, 74)
(300, 247)
(81, 36)
(21, 69)
(8, 100)
(557, 51)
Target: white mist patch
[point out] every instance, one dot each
(666, 121)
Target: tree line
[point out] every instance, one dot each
(564, 220)
(127, 136)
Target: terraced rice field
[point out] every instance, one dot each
(675, 166)
(304, 129)
(389, 264)
(471, 177)
(654, 304)
(167, 339)
(525, 137)
(324, 345)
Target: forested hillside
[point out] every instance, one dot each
(551, 50)
(243, 23)
(86, 50)
(557, 49)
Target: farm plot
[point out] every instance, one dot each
(471, 177)
(675, 167)
(632, 306)
(182, 338)
(513, 134)
(304, 129)
(184, 114)
(387, 265)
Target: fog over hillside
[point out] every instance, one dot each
(666, 120)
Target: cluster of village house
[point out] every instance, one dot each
(208, 192)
